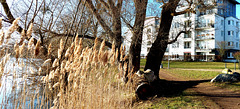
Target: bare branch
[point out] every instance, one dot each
(28, 13)
(183, 12)
(105, 4)
(175, 39)
(7, 11)
(127, 23)
(119, 4)
(99, 18)
(163, 2)
(82, 36)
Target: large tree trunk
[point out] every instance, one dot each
(135, 47)
(156, 53)
(114, 31)
(116, 28)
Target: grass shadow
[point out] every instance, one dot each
(166, 88)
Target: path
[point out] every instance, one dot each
(219, 70)
(224, 98)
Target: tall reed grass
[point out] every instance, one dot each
(77, 78)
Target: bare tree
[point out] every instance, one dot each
(113, 9)
(221, 49)
(237, 56)
(55, 20)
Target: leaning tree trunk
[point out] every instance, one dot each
(156, 53)
(135, 47)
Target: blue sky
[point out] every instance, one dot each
(155, 6)
(238, 10)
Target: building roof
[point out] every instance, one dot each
(150, 17)
(234, 1)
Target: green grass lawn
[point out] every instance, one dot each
(232, 86)
(195, 65)
(187, 99)
(193, 74)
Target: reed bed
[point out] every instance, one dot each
(79, 77)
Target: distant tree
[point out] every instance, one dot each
(221, 49)
(237, 56)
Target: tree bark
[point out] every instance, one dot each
(115, 31)
(9, 14)
(156, 53)
(135, 47)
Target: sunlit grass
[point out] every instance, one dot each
(195, 65)
(232, 86)
(184, 100)
(199, 65)
(193, 74)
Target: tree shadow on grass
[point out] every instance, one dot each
(166, 88)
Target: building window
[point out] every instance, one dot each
(222, 22)
(230, 55)
(149, 43)
(175, 25)
(156, 21)
(210, 11)
(148, 49)
(231, 33)
(149, 30)
(222, 33)
(221, 11)
(237, 24)
(237, 35)
(149, 37)
(187, 44)
(187, 14)
(188, 23)
(230, 43)
(188, 34)
(230, 22)
(220, 1)
(202, 13)
(175, 45)
(237, 44)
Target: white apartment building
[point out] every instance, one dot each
(149, 35)
(207, 30)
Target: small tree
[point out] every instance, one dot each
(221, 49)
(237, 56)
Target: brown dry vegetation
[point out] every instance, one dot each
(81, 77)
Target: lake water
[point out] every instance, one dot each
(19, 86)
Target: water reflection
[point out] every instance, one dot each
(20, 87)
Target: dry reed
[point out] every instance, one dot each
(83, 78)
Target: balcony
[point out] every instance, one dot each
(203, 49)
(204, 26)
(205, 37)
(187, 47)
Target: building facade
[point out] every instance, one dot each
(208, 31)
(149, 35)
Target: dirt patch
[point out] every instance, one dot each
(224, 98)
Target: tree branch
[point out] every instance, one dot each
(11, 18)
(99, 18)
(175, 39)
(119, 4)
(184, 11)
(127, 23)
(108, 44)
(104, 3)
